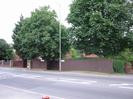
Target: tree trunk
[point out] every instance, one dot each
(2, 62)
(25, 63)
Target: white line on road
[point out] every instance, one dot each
(126, 87)
(28, 76)
(74, 81)
(77, 81)
(122, 85)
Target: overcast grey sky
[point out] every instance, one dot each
(10, 11)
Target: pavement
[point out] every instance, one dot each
(16, 83)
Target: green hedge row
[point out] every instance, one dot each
(118, 66)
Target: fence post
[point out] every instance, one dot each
(11, 63)
(2, 63)
(29, 64)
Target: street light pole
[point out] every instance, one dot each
(60, 38)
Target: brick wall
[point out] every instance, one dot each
(4, 63)
(36, 63)
(128, 69)
(98, 65)
(17, 63)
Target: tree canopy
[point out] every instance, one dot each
(38, 35)
(6, 51)
(102, 26)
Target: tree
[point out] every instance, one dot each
(101, 26)
(18, 40)
(6, 51)
(38, 36)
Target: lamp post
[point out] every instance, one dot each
(60, 38)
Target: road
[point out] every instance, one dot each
(26, 84)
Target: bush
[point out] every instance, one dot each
(118, 66)
(75, 53)
(127, 55)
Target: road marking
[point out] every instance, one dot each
(122, 85)
(78, 82)
(126, 87)
(28, 76)
(32, 92)
(75, 81)
(66, 80)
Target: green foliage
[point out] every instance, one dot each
(127, 55)
(18, 38)
(102, 26)
(6, 51)
(38, 36)
(75, 53)
(118, 66)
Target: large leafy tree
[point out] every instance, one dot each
(6, 51)
(38, 36)
(101, 26)
(23, 39)
(18, 38)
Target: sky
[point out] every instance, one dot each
(11, 10)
